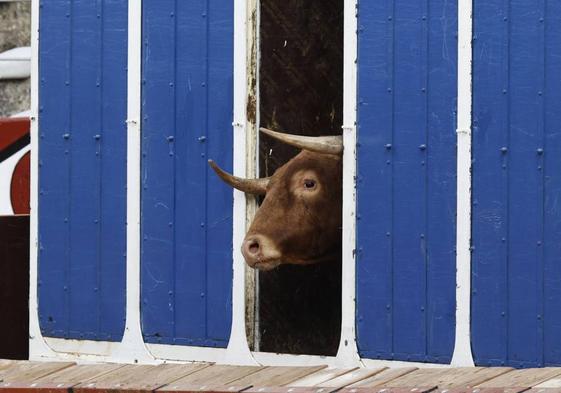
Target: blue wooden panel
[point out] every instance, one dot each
(516, 183)
(82, 168)
(186, 209)
(406, 179)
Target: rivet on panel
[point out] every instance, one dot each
(170, 138)
(423, 146)
(388, 146)
(423, 89)
(504, 149)
(504, 91)
(201, 138)
(388, 162)
(66, 136)
(97, 137)
(539, 151)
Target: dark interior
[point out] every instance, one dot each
(301, 92)
(14, 287)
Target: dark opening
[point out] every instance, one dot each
(14, 287)
(301, 92)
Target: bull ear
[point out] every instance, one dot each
(318, 144)
(250, 186)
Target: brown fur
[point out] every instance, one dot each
(304, 226)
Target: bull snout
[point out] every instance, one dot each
(260, 252)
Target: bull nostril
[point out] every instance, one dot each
(253, 247)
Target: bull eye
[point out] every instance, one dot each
(309, 184)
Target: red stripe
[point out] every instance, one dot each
(12, 129)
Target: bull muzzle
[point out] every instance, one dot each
(260, 252)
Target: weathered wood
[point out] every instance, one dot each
(383, 378)
(60, 381)
(215, 377)
(418, 389)
(528, 378)
(277, 376)
(288, 389)
(321, 376)
(19, 372)
(485, 390)
(351, 377)
(447, 378)
(139, 378)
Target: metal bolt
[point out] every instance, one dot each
(388, 146)
(202, 138)
(170, 138)
(423, 146)
(66, 136)
(539, 151)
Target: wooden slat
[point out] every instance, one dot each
(447, 378)
(350, 378)
(139, 378)
(289, 389)
(79, 373)
(321, 376)
(486, 390)
(550, 383)
(418, 389)
(276, 376)
(469, 380)
(425, 377)
(214, 376)
(60, 381)
(520, 378)
(30, 371)
(545, 390)
(384, 377)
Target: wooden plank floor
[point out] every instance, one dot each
(68, 377)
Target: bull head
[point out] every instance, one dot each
(299, 221)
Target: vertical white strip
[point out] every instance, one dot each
(132, 348)
(37, 346)
(347, 355)
(238, 350)
(462, 349)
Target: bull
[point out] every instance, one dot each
(299, 221)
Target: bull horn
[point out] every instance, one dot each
(251, 186)
(318, 144)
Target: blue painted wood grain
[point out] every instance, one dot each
(187, 99)
(82, 168)
(516, 183)
(406, 181)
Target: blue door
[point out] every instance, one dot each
(82, 168)
(406, 185)
(186, 210)
(516, 268)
